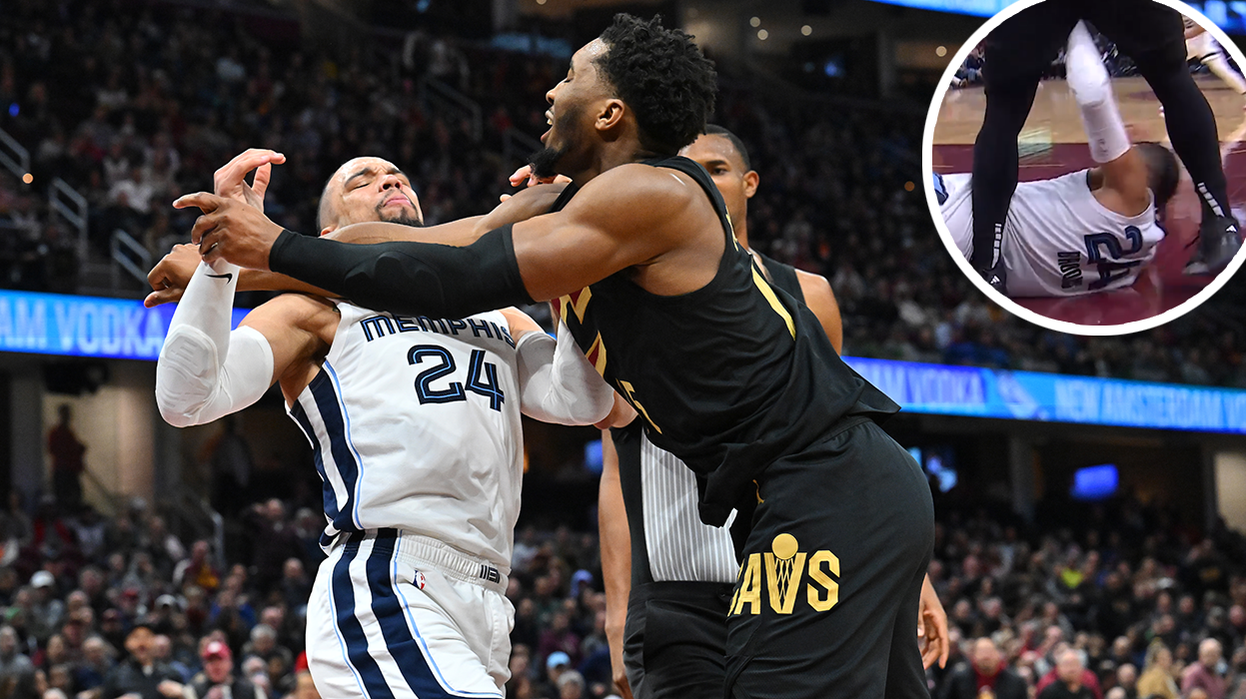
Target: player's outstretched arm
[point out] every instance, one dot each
(557, 384)
(206, 371)
(616, 558)
(626, 216)
(1124, 172)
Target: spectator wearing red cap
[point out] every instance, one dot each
(217, 681)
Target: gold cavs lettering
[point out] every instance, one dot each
(778, 577)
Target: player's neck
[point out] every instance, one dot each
(612, 155)
(741, 235)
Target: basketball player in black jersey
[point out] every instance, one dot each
(1017, 54)
(731, 375)
(668, 577)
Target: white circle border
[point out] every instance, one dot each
(962, 262)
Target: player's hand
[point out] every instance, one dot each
(526, 204)
(171, 274)
(230, 230)
(524, 176)
(230, 181)
(932, 627)
(169, 688)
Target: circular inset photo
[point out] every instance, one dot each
(1085, 162)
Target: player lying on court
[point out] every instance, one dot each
(1087, 231)
(415, 429)
(733, 376)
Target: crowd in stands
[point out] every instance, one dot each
(97, 608)
(1131, 605)
(1125, 601)
(128, 102)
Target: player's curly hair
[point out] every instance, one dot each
(662, 77)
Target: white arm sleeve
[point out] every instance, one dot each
(557, 383)
(1092, 88)
(205, 371)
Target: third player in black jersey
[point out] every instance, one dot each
(735, 377)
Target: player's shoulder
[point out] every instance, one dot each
(295, 310)
(637, 182)
(812, 284)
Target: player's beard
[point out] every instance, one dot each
(545, 161)
(402, 219)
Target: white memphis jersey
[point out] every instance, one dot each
(1058, 240)
(415, 425)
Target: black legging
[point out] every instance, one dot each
(1018, 52)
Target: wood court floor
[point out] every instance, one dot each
(1053, 143)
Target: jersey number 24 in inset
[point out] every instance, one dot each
(1105, 250)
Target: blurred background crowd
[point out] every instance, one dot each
(132, 106)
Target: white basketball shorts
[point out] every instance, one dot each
(395, 615)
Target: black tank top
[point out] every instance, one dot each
(660, 492)
(729, 377)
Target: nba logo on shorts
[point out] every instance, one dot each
(419, 580)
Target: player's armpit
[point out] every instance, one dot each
(300, 330)
(821, 300)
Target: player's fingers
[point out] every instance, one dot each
(204, 201)
(161, 296)
(263, 174)
(504, 197)
(233, 172)
(517, 178)
(929, 653)
(204, 226)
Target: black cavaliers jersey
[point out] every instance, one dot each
(728, 377)
(669, 541)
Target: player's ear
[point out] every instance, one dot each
(327, 230)
(611, 114)
(751, 180)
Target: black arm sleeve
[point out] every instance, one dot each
(439, 281)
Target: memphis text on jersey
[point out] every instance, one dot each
(784, 576)
(383, 324)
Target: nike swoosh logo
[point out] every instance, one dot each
(228, 276)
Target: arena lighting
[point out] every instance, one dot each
(806, 30)
(755, 22)
(1229, 15)
(87, 326)
(1095, 482)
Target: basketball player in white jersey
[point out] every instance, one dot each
(1088, 231)
(666, 616)
(415, 428)
(1204, 48)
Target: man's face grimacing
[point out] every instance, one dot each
(736, 183)
(574, 104)
(368, 189)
